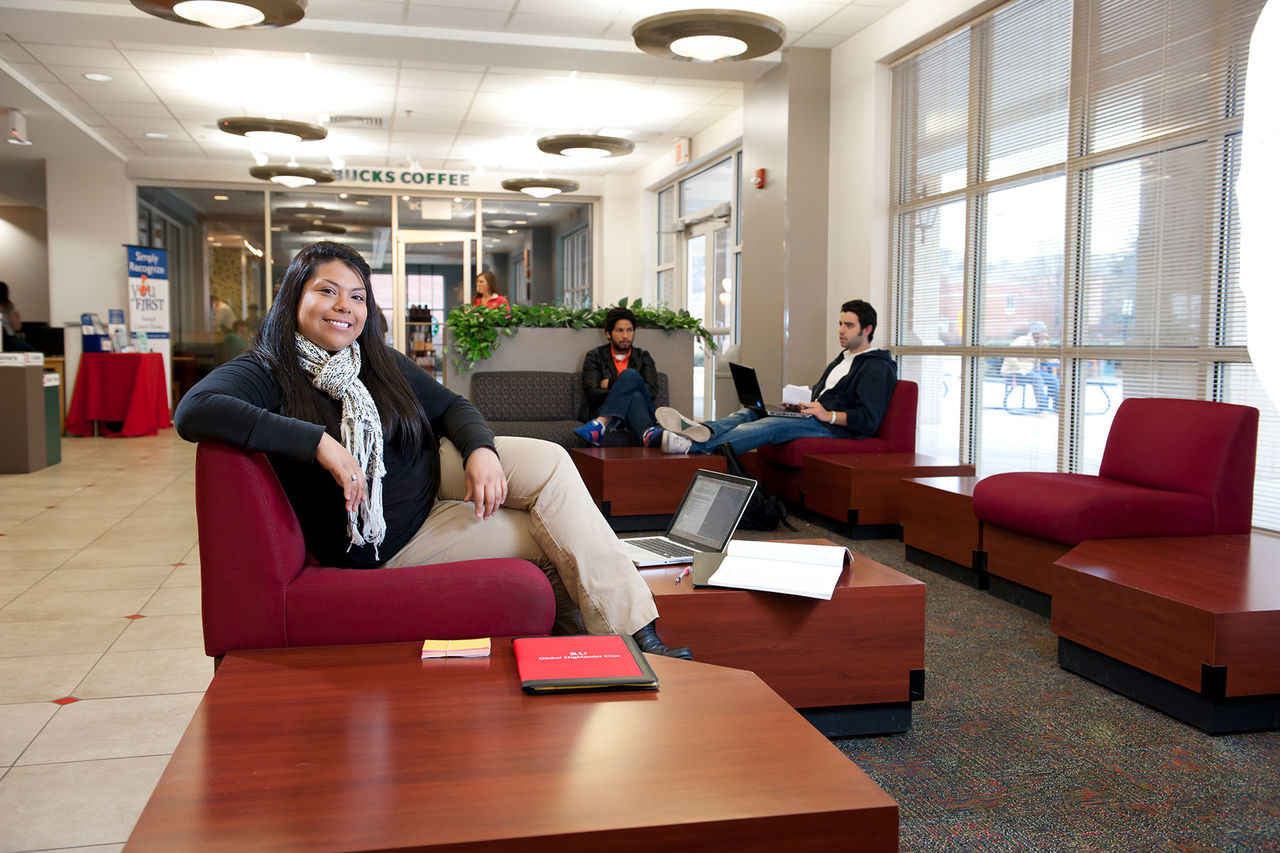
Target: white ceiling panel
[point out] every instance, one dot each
(423, 78)
(504, 6)
(363, 11)
(418, 99)
(557, 25)
(132, 109)
(55, 54)
(547, 66)
(465, 18)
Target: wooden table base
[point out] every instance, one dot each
(1187, 624)
(853, 665)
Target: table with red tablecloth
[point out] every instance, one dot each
(120, 387)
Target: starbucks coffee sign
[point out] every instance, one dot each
(403, 177)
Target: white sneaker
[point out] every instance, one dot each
(673, 442)
(672, 421)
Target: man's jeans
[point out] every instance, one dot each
(1045, 385)
(629, 400)
(746, 430)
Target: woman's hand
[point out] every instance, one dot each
(345, 470)
(486, 484)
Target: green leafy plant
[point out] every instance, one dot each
(476, 331)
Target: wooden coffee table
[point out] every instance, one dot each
(851, 665)
(862, 489)
(371, 748)
(639, 488)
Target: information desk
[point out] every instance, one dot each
(371, 748)
(128, 388)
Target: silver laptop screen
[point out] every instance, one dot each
(710, 511)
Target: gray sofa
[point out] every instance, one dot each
(542, 404)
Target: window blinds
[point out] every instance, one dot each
(1071, 162)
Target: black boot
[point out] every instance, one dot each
(647, 639)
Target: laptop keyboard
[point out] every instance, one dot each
(664, 547)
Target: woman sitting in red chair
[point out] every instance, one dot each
(385, 467)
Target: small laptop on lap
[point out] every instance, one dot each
(748, 388)
(708, 515)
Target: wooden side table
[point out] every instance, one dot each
(1187, 624)
(639, 488)
(852, 665)
(862, 489)
(939, 528)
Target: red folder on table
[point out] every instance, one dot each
(571, 664)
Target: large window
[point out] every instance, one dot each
(1064, 226)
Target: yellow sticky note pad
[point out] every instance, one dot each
(476, 648)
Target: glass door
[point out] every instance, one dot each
(434, 274)
(709, 296)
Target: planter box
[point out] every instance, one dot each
(564, 349)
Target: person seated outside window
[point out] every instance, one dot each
(618, 383)
(849, 399)
(385, 467)
(1038, 372)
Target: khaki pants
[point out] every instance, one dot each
(548, 519)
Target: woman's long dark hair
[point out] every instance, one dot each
(403, 420)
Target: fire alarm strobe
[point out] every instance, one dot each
(757, 180)
(17, 128)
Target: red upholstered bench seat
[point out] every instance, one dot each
(777, 466)
(1170, 467)
(1071, 508)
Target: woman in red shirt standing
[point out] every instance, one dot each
(487, 292)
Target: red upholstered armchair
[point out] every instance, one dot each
(1170, 468)
(260, 589)
(777, 466)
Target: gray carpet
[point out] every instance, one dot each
(1008, 752)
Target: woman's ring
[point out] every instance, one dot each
(354, 477)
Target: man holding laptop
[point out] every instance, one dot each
(849, 399)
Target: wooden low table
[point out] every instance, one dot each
(1189, 624)
(939, 528)
(370, 748)
(639, 488)
(861, 489)
(852, 665)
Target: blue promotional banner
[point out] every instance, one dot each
(148, 291)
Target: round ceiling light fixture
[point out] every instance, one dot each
(226, 14)
(586, 145)
(292, 176)
(272, 129)
(709, 35)
(539, 187)
(309, 211)
(316, 227)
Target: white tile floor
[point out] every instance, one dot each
(107, 534)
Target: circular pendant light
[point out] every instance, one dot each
(586, 145)
(292, 176)
(539, 187)
(709, 35)
(272, 129)
(316, 227)
(226, 14)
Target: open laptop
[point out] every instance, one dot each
(707, 516)
(748, 388)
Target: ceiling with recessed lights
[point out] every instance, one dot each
(452, 85)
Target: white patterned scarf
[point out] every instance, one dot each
(338, 375)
